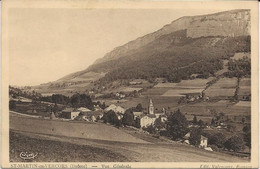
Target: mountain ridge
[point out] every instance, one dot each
(190, 44)
(178, 24)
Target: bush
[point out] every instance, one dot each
(195, 136)
(150, 129)
(12, 105)
(214, 148)
(128, 119)
(217, 139)
(247, 139)
(235, 143)
(177, 125)
(111, 117)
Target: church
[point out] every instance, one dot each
(148, 119)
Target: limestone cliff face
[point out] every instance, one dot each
(230, 23)
(236, 23)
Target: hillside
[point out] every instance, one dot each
(188, 45)
(105, 143)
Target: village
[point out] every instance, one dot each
(150, 120)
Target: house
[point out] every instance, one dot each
(69, 113)
(93, 118)
(203, 140)
(116, 109)
(137, 114)
(83, 109)
(146, 120)
(92, 115)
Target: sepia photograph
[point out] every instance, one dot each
(106, 82)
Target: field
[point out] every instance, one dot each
(195, 86)
(244, 87)
(88, 130)
(241, 55)
(56, 151)
(76, 147)
(196, 83)
(125, 89)
(225, 83)
(155, 91)
(158, 101)
(215, 92)
(205, 108)
(243, 104)
(182, 92)
(224, 87)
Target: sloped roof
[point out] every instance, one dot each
(115, 108)
(90, 113)
(203, 138)
(187, 135)
(137, 113)
(83, 109)
(68, 110)
(148, 115)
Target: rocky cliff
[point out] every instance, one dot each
(229, 23)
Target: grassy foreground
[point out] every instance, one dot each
(56, 151)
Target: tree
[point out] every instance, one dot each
(128, 119)
(85, 101)
(111, 117)
(243, 120)
(150, 129)
(195, 121)
(75, 100)
(12, 105)
(158, 124)
(213, 122)
(177, 125)
(235, 143)
(217, 139)
(55, 108)
(81, 100)
(201, 123)
(246, 128)
(247, 139)
(195, 136)
(231, 127)
(139, 107)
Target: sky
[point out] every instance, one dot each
(47, 44)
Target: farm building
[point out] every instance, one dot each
(116, 109)
(83, 109)
(69, 113)
(92, 115)
(203, 140)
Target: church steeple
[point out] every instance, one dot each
(150, 107)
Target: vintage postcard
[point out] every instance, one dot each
(129, 84)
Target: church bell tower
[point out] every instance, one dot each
(150, 107)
